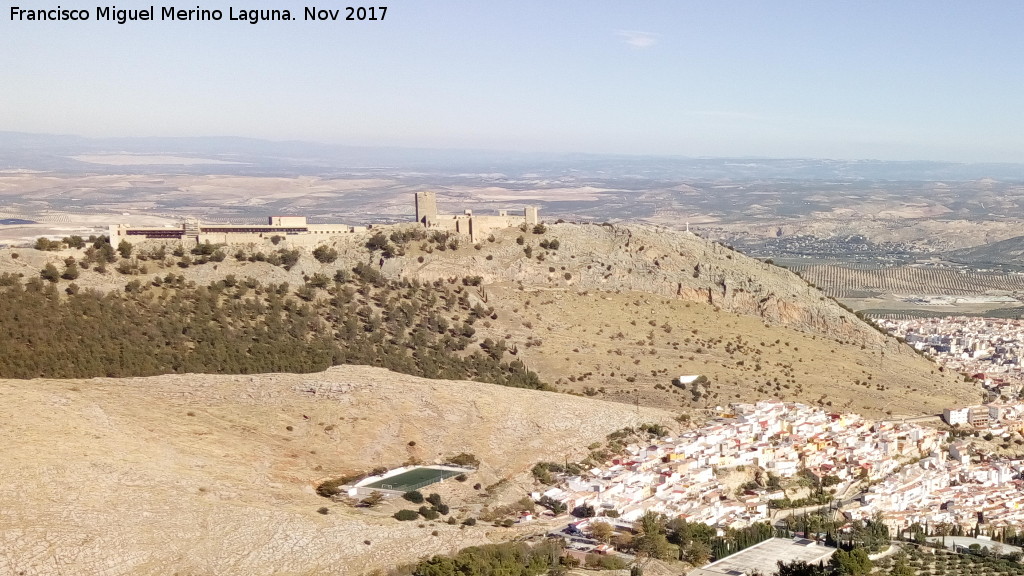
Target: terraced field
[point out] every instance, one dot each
(841, 282)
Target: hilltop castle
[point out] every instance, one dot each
(298, 231)
(472, 225)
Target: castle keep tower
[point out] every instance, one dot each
(426, 207)
(531, 215)
(475, 226)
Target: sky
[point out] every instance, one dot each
(901, 80)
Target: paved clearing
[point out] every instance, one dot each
(765, 557)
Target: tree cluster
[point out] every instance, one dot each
(509, 559)
(168, 325)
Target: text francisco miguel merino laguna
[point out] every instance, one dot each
(197, 14)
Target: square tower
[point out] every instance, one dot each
(426, 207)
(531, 215)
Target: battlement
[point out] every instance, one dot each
(475, 226)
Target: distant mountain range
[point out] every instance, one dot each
(1008, 252)
(54, 152)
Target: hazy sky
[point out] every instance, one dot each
(888, 80)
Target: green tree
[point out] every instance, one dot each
(377, 242)
(289, 258)
(852, 563)
(651, 541)
(70, 271)
(124, 249)
(50, 273)
(45, 244)
(698, 553)
(74, 242)
(414, 496)
(406, 515)
(601, 531)
(325, 254)
(555, 506)
(901, 568)
(372, 500)
(800, 568)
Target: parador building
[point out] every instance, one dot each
(297, 230)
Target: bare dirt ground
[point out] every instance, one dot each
(603, 340)
(195, 474)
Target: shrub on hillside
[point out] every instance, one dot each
(372, 500)
(325, 254)
(377, 242)
(288, 258)
(46, 244)
(464, 459)
(50, 272)
(70, 271)
(406, 515)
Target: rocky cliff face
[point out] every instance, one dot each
(645, 259)
(619, 311)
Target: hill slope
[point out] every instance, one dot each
(200, 474)
(1007, 252)
(624, 309)
(630, 308)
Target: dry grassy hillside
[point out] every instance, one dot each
(629, 346)
(644, 259)
(618, 312)
(199, 474)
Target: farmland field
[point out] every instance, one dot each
(841, 282)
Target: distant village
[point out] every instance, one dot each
(908, 473)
